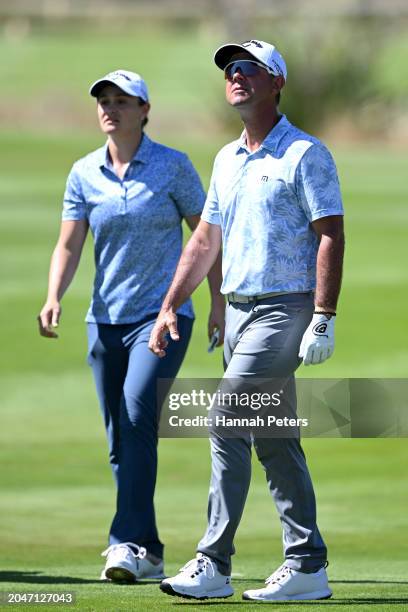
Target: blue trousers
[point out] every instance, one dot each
(126, 374)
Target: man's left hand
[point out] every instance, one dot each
(318, 340)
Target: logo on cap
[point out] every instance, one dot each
(248, 43)
(118, 75)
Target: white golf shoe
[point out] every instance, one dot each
(198, 579)
(128, 562)
(286, 584)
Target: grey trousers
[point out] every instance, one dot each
(262, 341)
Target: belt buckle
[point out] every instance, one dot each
(241, 299)
(234, 297)
(244, 299)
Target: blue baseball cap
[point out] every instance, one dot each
(129, 82)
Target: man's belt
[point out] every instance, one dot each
(245, 299)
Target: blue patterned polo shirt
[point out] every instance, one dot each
(136, 227)
(265, 202)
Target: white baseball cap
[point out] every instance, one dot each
(262, 51)
(130, 82)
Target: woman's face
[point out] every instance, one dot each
(119, 113)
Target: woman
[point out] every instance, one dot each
(133, 194)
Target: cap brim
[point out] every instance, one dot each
(98, 85)
(222, 56)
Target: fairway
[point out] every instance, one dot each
(57, 494)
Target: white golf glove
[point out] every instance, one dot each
(318, 340)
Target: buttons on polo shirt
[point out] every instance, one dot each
(123, 197)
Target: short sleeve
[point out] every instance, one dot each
(74, 208)
(188, 192)
(317, 184)
(211, 212)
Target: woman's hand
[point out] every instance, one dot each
(64, 263)
(48, 319)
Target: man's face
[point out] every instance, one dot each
(118, 112)
(245, 90)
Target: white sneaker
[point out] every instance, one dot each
(198, 579)
(128, 562)
(286, 584)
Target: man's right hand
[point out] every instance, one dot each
(166, 323)
(48, 319)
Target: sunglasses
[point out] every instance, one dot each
(247, 68)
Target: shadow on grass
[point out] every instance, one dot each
(261, 581)
(346, 601)
(40, 578)
(368, 581)
(29, 577)
(364, 601)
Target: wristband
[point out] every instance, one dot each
(325, 313)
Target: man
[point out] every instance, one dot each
(274, 203)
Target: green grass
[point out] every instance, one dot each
(372, 336)
(57, 493)
(58, 499)
(49, 71)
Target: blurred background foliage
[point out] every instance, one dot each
(347, 62)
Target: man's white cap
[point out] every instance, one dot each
(261, 51)
(130, 82)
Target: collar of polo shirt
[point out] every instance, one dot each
(142, 154)
(272, 139)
